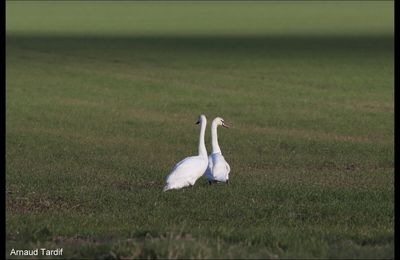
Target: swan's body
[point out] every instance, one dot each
(218, 169)
(186, 172)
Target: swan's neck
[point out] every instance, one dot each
(202, 145)
(214, 138)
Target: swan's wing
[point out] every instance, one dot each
(228, 168)
(221, 168)
(208, 172)
(187, 169)
(181, 162)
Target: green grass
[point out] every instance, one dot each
(101, 102)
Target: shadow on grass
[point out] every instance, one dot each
(221, 44)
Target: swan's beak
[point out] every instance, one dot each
(224, 125)
(198, 122)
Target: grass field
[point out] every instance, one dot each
(101, 100)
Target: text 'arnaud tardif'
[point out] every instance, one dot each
(37, 251)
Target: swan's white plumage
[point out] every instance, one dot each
(218, 169)
(186, 172)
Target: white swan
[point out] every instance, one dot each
(186, 172)
(218, 169)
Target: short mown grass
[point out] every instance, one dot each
(101, 103)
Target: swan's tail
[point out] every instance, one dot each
(166, 187)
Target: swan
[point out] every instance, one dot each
(186, 172)
(218, 169)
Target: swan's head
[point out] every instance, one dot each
(220, 121)
(202, 118)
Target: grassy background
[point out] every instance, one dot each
(101, 101)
